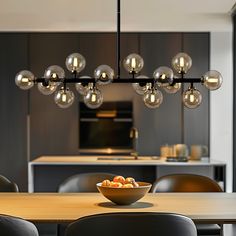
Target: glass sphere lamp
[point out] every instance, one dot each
(93, 99)
(153, 98)
(141, 88)
(163, 76)
(64, 98)
(182, 62)
(104, 74)
(133, 63)
(212, 80)
(75, 62)
(24, 79)
(192, 98)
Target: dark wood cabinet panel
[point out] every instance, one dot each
(98, 49)
(129, 44)
(162, 125)
(13, 109)
(196, 121)
(53, 130)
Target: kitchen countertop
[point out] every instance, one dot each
(119, 160)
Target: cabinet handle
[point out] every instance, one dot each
(88, 119)
(122, 119)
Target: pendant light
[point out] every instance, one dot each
(54, 80)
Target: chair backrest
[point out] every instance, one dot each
(12, 226)
(185, 183)
(7, 186)
(85, 182)
(138, 224)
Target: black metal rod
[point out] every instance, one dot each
(120, 80)
(118, 40)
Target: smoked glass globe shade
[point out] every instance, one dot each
(64, 98)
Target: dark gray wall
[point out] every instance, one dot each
(55, 131)
(13, 109)
(163, 125)
(196, 121)
(52, 130)
(156, 127)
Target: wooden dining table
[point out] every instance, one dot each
(66, 207)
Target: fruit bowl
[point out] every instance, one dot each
(124, 196)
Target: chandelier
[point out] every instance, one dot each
(54, 79)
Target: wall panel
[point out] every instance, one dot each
(13, 109)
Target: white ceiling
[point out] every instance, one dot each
(100, 15)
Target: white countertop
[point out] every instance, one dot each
(119, 160)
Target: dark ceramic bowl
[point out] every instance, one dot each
(124, 196)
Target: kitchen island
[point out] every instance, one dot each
(47, 172)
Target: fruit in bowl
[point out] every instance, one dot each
(123, 191)
(120, 182)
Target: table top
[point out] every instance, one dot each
(57, 208)
(119, 160)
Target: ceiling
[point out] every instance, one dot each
(100, 15)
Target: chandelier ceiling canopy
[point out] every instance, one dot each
(88, 87)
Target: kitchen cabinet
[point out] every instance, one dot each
(47, 172)
(98, 49)
(13, 109)
(196, 121)
(162, 125)
(52, 129)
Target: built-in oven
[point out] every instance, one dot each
(106, 130)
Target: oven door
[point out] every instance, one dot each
(105, 135)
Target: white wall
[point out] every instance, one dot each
(221, 102)
(100, 15)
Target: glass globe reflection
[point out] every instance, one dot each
(212, 79)
(75, 62)
(153, 98)
(64, 98)
(54, 72)
(141, 88)
(192, 98)
(24, 79)
(82, 88)
(182, 62)
(133, 63)
(93, 99)
(48, 89)
(173, 88)
(163, 76)
(104, 74)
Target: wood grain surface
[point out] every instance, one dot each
(54, 207)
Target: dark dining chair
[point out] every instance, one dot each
(13, 226)
(85, 182)
(190, 183)
(127, 224)
(7, 186)
(80, 183)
